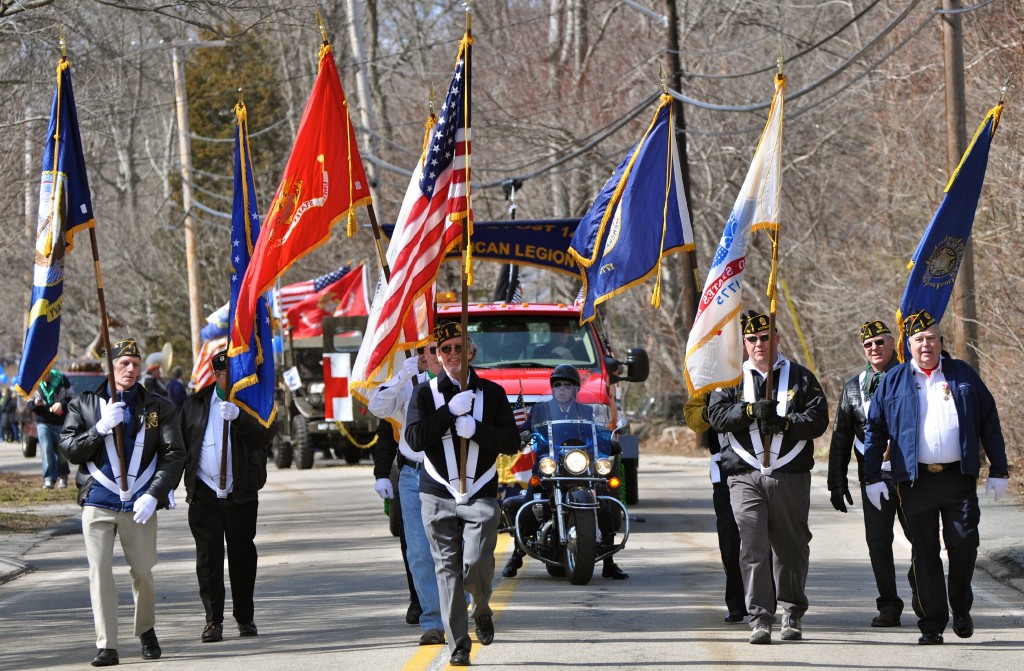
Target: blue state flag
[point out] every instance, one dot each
(251, 364)
(935, 264)
(65, 208)
(638, 218)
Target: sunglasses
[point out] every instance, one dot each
(432, 349)
(753, 338)
(448, 349)
(868, 344)
(562, 384)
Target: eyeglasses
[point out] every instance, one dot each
(753, 338)
(868, 344)
(432, 349)
(562, 384)
(447, 349)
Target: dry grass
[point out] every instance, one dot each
(18, 492)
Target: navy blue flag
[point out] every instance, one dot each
(638, 218)
(251, 364)
(65, 208)
(936, 262)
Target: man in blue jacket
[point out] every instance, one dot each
(934, 413)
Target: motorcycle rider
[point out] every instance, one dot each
(565, 384)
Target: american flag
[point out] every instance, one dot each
(429, 224)
(202, 371)
(298, 292)
(519, 409)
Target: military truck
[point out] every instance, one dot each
(315, 411)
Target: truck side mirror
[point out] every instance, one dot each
(638, 367)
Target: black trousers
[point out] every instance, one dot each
(215, 523)
(729, 547)
(878, 532)
(951, 497)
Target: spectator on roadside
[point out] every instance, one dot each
(176, 388)
(152, 379)
(9, 416)
(153, 455)
(49, 404)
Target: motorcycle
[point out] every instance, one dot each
(567, 519)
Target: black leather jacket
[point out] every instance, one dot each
(849, 425)
(249, 442)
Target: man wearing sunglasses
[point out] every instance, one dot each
(848, 433)
(933, 414)
(390, 402)
(461, 525)
(770, 494)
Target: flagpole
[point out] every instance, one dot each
(102, 303)
(772, 291)
(466, 258)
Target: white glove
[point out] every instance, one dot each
(410, 367)
(171, 505)
(383, 488)
(144, 508)
(875, 493)
(461, 403)
(111, 414)
(997, 486)
(228, 411)
(465, 427)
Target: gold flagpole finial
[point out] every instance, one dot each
(663, 76)
(1006, 85)
(323, 26)
(469, 17)
(779, 58)
(431, 99)
(63, 43)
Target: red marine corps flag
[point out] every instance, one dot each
(323, 183)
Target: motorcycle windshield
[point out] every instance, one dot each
(558, 435)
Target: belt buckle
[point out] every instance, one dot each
(935, 468)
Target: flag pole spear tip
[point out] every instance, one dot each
(663, 76)
(431, 99)
(63, 43)
(1003, 89)
(323, 26)
(779, 59)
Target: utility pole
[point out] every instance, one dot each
(965, 310)
(363, 90)
(185, 153)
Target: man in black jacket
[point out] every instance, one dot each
(153, 458)
(222, 482)
(461, 524)
(848, 433)
(768, 463)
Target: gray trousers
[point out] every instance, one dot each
(462, 540)
(771, 513)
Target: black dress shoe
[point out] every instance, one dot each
(930, 638)
(460, 657)
(485, 630)
(150, 646)
(611, 570)
(412, 616)
(246, 629)
(214, 632)
(963, 626)
(515, 562)
(106, 657)
(735, 618)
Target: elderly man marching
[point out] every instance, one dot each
(934, 413)
(768, 463)
(462, 525)
(847, 434)
(154, 456)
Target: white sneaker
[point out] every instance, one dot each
(62, 483)
(761, 634)
(47, 483)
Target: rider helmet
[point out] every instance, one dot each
(567, 373)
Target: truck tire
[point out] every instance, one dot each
(629, 479)
(302, 443)
(28, 446)
(282, 453)
(351, 454)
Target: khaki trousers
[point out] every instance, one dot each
(138, 542)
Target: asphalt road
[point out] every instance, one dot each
(331, 592)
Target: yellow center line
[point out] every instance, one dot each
(427, 656)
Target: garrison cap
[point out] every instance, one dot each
(446, 330)
(126, 347)
(917, 322)
(220, 360)
(754, 322)
(869, 330)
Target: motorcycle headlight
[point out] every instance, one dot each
(547, 466)
(576, 462)
(316, 399)
(604, 466)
